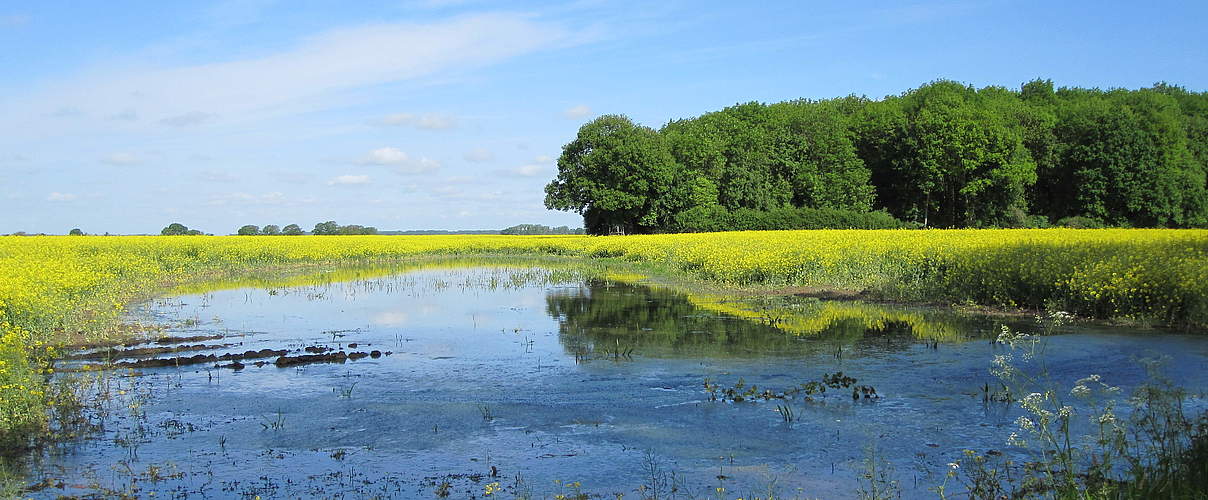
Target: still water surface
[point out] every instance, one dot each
(509, 376)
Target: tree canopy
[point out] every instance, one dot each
(942, 155)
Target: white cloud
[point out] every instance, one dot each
(386, 156)
(187, 119)
(301, 77)
(121, 159)
(348, 180)
(401, 161)
(479, 155)
(217, 176)
(289, 176)
(577, 112)
(56, 196)
(543, 159)
(240, 198)
(67, 112)
(419, 166)
(128, 115)
(530, 170)
(426, 121)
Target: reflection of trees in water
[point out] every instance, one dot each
(602, 315)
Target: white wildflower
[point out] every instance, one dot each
(1032, 402)
(1025, 423)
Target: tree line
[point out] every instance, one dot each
(942, 155)
(535, 229)
(323, 228)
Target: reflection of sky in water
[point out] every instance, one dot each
(462, 351)
(390, 318)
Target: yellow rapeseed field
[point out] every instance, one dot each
(52, 288)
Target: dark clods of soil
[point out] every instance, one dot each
(327, 357)
(199, 358)
(145, 351)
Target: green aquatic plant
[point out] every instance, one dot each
(485, 411)
(808, 391)
(277, 423)
(786, 412)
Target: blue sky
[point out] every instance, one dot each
(124, 116)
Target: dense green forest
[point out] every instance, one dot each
(942, 155)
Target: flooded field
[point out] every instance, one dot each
(503, 382)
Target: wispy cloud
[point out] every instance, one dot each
(530, 170)
(217, 176)
(187, 119)
(241, 198)
(121, 159)
(401, 161)
(66, 112)
(128, 115)
(349, 180)
(57, 196)
(291, 79)
(426, 121)
(386, 156)
(479, 155)
(577, 112)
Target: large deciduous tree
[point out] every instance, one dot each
(618, 175)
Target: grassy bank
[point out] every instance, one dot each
(57, 290)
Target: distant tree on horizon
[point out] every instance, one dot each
(270, 230)
(249, 230)
(178, 229)
(175, 229)
(325, 228)
(75, 232)
(292, 230)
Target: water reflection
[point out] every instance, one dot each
(602, 316)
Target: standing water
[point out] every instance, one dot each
(497, 382)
